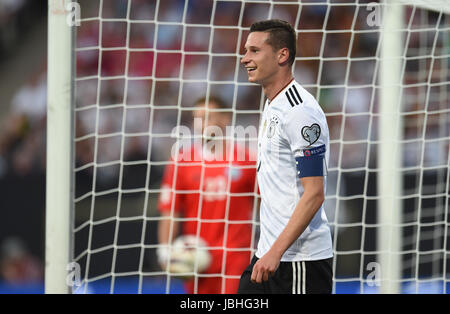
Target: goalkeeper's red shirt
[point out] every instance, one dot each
(215, 196)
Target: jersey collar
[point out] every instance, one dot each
(279, 92)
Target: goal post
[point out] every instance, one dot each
(389, 152)
(390, 177)
(59, 188)
(141, 65)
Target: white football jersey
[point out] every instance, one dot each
(293, 126)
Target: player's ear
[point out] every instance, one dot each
(283, 55)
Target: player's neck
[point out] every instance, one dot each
(277, 84)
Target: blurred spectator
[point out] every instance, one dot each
(15, 17)
(17, 264)
(22, 136)
(9, 16)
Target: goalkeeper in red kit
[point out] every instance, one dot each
(211, 185)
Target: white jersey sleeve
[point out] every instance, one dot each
(307, 132)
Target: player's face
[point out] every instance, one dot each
(215, 118)
(260, 59)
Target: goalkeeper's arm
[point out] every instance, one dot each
(164, 232)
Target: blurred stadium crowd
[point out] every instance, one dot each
(134, 78)
(21, 154)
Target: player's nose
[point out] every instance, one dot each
(245, 59)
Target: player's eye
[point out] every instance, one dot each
(251, 50)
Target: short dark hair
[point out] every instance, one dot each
(281, 35)
(219, 102)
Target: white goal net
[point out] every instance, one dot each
(142, 64)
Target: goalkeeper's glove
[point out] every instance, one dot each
(162, 253)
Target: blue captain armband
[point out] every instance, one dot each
(310, 162)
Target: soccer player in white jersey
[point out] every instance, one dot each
(294, 253)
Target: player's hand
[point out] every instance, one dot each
(162, 253)
(265, 267)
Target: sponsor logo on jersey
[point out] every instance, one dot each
(314, 151)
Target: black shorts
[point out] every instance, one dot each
(305, 277)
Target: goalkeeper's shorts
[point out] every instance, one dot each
(303, 277)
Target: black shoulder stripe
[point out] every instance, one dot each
(293, 96)
(297, 93)
(289, 98)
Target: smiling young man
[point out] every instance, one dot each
(294, 253)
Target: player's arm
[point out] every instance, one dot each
(307, 207)
(167, 226)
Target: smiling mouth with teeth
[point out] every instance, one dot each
(251, 69)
